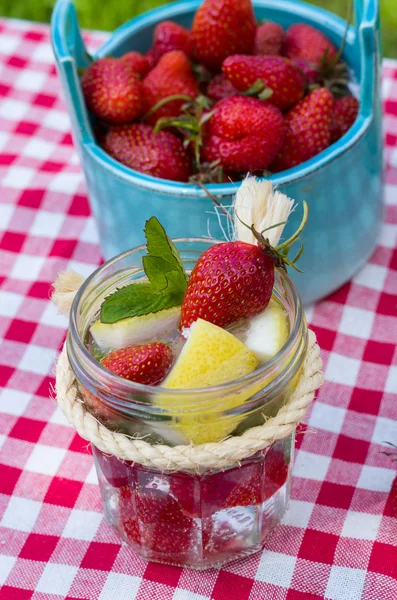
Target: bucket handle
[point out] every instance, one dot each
(367, 32)
(365, 11)
(70, 52)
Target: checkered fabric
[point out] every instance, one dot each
(339, 538)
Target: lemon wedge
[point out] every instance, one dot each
(268, 332)
(135, 330)
(211, 356)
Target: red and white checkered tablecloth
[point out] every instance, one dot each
(339, 538)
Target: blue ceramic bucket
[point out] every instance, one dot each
(343, 184)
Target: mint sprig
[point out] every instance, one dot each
(167, 280)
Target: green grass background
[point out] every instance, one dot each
(108, 14)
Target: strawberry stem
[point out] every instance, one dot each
(209, 172)
(259, 89)
(214, 200)
(191, 121)
(299, 254)
(165, 101)
(288, 243)
(333, 72)
(338, 55)
(265, 94)
(271, 226)
(165, 122)
(279, 254)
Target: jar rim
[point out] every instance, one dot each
(109, 379)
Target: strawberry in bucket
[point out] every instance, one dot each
(215, 87)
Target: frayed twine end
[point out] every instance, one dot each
(65, 287)
(258, 204)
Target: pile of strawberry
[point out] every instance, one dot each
(227, 97)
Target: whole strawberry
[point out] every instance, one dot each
(220, 87)
(269, 39)
(305, 41)
(229, 282)
(138, 147)
(170, 36)
(166, 527)
(147, 364)
(244, 134)
(155, 506)
(138, 63)
(283, 81)
(308, 130)
(221, 28)
(112, 91)
(344, 113)
(172, 75)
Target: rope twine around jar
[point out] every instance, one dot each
(218, 455)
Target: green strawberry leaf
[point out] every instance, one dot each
(167, 280)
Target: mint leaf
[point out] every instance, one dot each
(161, 246)
(135, 300)
(167, 280)
(162, 274)
(156, 270)
(175, 283)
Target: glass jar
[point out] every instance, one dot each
(206, 518)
